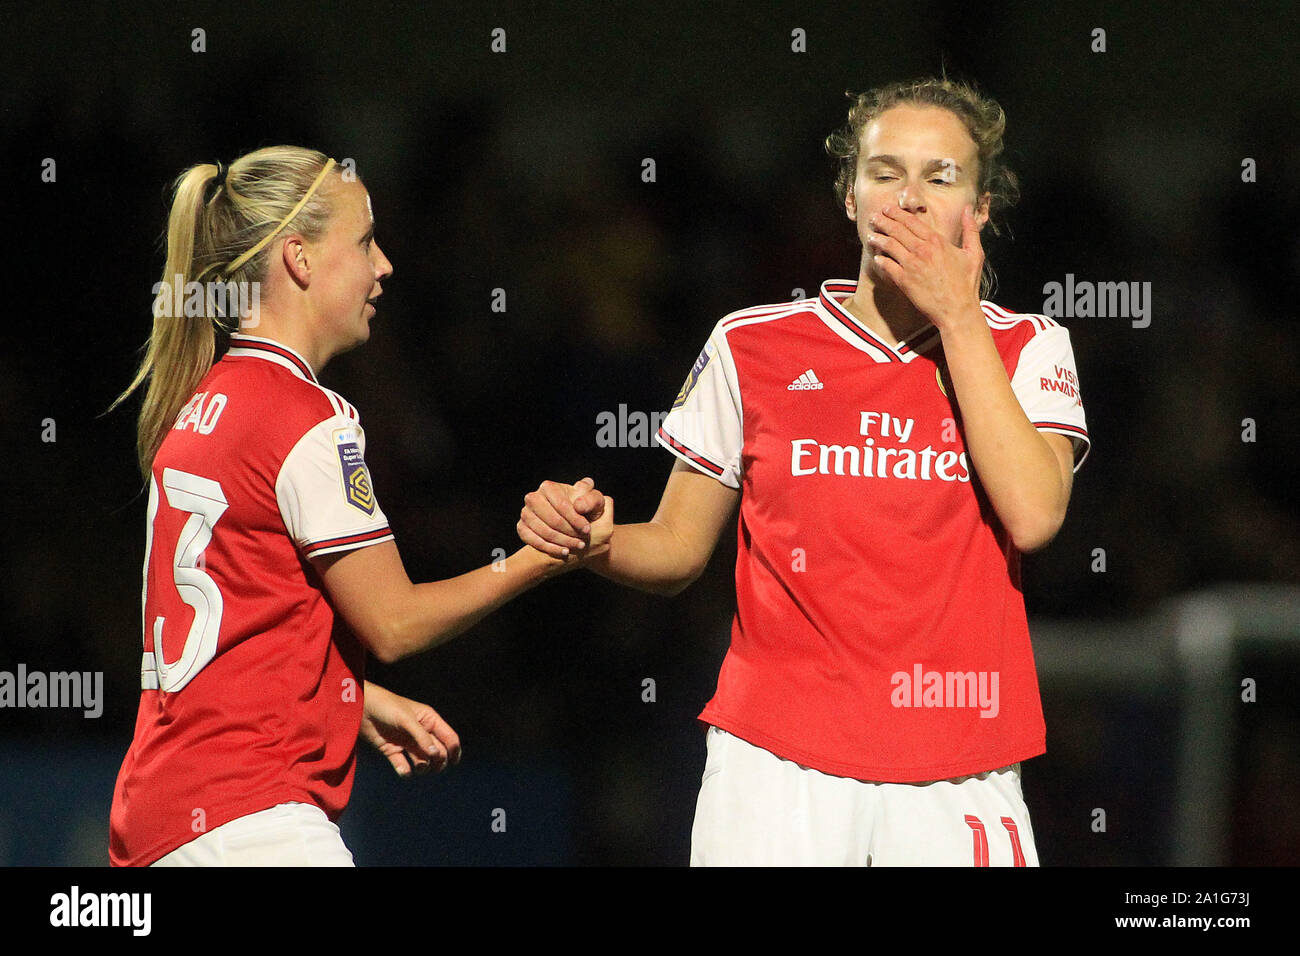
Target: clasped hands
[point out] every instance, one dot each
(572, 523)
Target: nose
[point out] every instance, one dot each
(910, 199)
(383, 268)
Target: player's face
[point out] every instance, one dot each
(351, 266)
(918, 158)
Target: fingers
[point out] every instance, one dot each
(424, 750)
(903, 226)
(535, 533)
(446, 738)
(549, 521)
(556, 518)
(604, 526)
(593, 506)
(397, 757)
(970, 230)
(886, 245)
(587, 501)
(892, 270)
(566, 499)
(432, 745)
(403, 759)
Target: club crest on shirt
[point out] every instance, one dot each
(940, 376)
(694, 377)
(356, 479)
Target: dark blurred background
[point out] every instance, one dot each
(521, 171)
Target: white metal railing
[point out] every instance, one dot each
(1187, 650)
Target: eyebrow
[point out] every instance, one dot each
(933, 165)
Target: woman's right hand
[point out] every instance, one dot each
(570, 522)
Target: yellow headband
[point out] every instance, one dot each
(329, 164)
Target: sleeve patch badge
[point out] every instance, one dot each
(356, 479)
(696, 370)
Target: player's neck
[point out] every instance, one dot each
(885, 311)
(269, 323)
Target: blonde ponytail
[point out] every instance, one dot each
(226, 237)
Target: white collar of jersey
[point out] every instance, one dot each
(841, 321)
(251, 346)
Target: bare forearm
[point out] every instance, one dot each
(648, 557)
(1016, 466)
(662, 555)
(437, 611)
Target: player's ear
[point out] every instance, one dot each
(982, 210)
(851, 205)
(296, 263)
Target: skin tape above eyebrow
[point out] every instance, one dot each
(947, 168)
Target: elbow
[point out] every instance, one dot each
(1035, 532)
(672, 588)
(676, 585)
(387, 655)
(386, 645)
(389, 638)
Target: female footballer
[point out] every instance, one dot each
(270, 569)
(893, 446)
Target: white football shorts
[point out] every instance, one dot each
(290, 834)
(756, 809)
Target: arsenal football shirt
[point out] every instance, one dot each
(880, 628)
(251, 686)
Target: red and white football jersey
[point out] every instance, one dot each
(251, 685)
(880, 628)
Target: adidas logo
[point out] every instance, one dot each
(805, 382)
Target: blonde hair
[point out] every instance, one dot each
(225, 236)
(983, 118)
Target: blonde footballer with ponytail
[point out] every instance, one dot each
(271, 572)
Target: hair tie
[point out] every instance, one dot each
(219, 179)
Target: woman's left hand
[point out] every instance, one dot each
(411, 735)
(940, 279)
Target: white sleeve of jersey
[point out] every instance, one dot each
(324, 491)
(705, 426)
(1047, 386)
